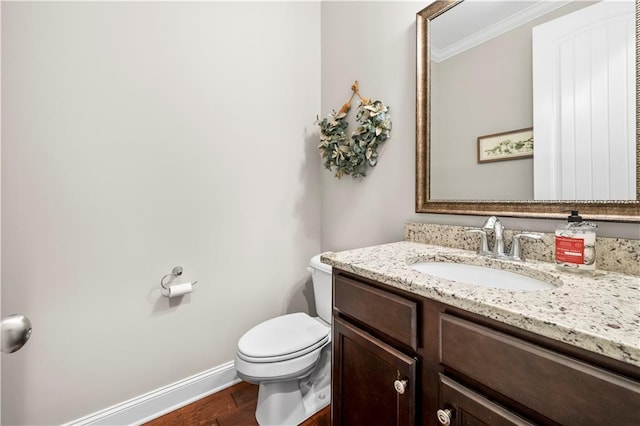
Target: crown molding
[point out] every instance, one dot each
(534, 11)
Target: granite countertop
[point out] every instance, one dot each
(600, 313)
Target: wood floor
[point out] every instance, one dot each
(234, 406)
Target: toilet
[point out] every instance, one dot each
(289, 357)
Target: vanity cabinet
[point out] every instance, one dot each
(375, 360)
(461, 368)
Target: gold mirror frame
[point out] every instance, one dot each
(619, 211)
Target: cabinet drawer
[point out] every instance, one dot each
(386, 312)
(558, 387)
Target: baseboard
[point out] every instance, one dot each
(161, 401)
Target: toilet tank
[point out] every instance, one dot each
(321, 276)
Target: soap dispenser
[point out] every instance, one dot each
(576, 245)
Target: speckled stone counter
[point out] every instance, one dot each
(612, 254)
(600, 313)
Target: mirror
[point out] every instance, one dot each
(457, 179)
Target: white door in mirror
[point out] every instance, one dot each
(584, 105)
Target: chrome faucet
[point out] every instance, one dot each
(494, 224)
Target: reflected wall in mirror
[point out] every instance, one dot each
(484, 68)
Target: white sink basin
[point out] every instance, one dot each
(481, 275)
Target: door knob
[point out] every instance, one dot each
(400, 386)
(444, 416)
(15, 331)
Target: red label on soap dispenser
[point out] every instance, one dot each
(570, 250)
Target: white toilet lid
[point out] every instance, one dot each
(286, 334)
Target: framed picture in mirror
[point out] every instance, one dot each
(512, 145)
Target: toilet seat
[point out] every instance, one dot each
(294, 368)
(283, 338)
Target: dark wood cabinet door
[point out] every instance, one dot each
(467, 408)
(364, 374)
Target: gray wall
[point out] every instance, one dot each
(138, 136)
(374, 43)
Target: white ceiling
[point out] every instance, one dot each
(475, 21)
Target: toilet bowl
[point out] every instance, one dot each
(289, 357)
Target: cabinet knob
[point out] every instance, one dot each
(400, 386)
(444, 416)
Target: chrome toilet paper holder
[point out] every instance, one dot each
(175, 272)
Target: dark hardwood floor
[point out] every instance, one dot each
(234, 406)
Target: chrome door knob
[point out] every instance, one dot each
(15, 331)
(400, 386)
(444, 416)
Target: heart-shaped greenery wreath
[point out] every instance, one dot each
(353, 155)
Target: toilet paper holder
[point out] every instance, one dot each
(175, 272)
